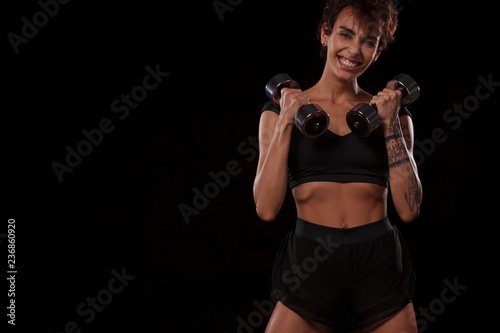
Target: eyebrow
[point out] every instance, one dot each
(348, 30)
(354, 34)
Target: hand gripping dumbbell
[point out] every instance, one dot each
(363, 118)
(311, 120)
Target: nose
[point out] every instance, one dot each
(354, 49)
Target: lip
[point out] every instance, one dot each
(346, 67)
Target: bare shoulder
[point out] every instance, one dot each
(268, 117)
(267, 126)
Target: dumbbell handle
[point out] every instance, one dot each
(408, 86)
(276, 84)
(310, 119)
(363, 118)
(403, 91)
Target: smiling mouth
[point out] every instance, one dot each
(348, 63)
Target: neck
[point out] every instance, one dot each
(332, 88)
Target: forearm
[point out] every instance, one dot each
(405, 184)
(271, 180)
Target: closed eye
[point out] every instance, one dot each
(370, 41)
(346, 32)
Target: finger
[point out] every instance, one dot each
(303, 96)
(392, 92)
(300, 100)
(384, 93)
(286, 91)
(383, 96)
(288, 94)
(295, 96)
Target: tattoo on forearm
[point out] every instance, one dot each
(398, 156)
(398, 162)
(406, 135)
(412, 197)
(396, 148)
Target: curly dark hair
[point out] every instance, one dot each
(380, 15)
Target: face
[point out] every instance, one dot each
(352, 48)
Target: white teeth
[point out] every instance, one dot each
(346, 62)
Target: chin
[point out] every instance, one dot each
(348, 75)
(345, 76)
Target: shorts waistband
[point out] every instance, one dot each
(343, 236)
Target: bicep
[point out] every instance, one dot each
(267, 126)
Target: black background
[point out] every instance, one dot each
(119, 208)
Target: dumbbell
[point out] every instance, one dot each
(311, 120)
(363, 118)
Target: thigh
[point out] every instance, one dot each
(284, 320)
(402, 322)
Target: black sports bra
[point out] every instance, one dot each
(333, 158)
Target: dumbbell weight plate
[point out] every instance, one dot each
(408, 86)
(278, 82)
(362, 119)
(312, 120)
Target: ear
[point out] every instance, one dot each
(376, 56)
(324, 36)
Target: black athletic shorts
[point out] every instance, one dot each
(344, 278)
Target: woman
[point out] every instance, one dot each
(343, 268)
